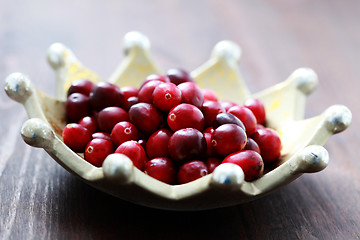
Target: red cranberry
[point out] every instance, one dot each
(187, 144)
(185, 116)
(209, 130)
(252, 145)
(89, 123)
(129, 91)
(210, 150)
(157, 144)
(166, 96)
(77, 106)
(191, 171)
(82, 86)
(161, 169)
(97, 150)
(246, 117)
(209, 95)
(101, 135)
(212, 163)
(223, 118)
(211, 109)
(145, 117)
(108, 117)
(105, 94)
(142, 142)
(146, 91)
(178, 76)
(122, 132)
(227, 104)
(135, 152)
(129, 102)
(269, 143)
(157, 77)
(250, 162)
(258, 109)
(191, 94)
(76, 137)
(228, 138)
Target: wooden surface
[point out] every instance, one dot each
(40, 200)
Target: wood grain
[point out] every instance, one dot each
(40, 200)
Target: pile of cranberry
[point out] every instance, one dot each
(170, 128)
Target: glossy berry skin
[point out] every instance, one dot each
(210, 150)
(109, 116)
(129, 91)
(269, 143)
(227, 104)
(90, 123)
(77, 106)
(166, 96)
(258, 109)
(146, 92)
(146, 117)
(246, 117)
(157, 144)
(135, 152)
(161, 169)
(191, 94)
(122, 132)
(185, 116)
(76, 137)
(187, 144)
(191, 171)
(129, 102)
(228, 138)
(223, 118)
(97, 150)
(82, 86)
(105, 94)
(101, 135)
(250, 162)
(209, 95)
(158, 77)
(208, 130)
(178, 76)
(212, 163)
(211, 109)
(252, 145)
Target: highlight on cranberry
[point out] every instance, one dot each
(169, 127)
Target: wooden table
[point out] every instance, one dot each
(40, 200)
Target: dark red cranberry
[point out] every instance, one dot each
(146, 117)
(246, 117)
(129, 91)
(129, 102)
(209, 95)
(178, 76)
(122, 132)
(89, 123)
(227, 104)
(82, 86)
(212, 163)
(157, 144)
(76, 137)
(210, 150)
(101, 135)
(269, 143)
(250, 162)
(135, 152)
(108, 117)
(142, 142)
(223, 118)
(105, 94)
(191, 171)
(157, 77)
(97, 150)
(211, 109)
(161, 169)
(228, 138)
(187, 144)
(166, 96)
(208, 130)
(77, 106)
(191, 94)
(252, 145)
(146, 92)
(185, 116)
(258, 109)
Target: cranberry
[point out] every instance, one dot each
(228, 138)
(210, 150)
(145, 117)
(191, 94)
(122, 132)
(208, 130)
(101, 135)
(77, 106)
(76, 137)
(185, 116)
(258, 109)
(209, 95)
(250, 162)
(223, 118)
(166, 96)
(178, 76)
(269, 143)
(129, 91)
(142, 142)
(97, 150)
(135, 152)
(108, 117)
(146, 91)
(252, 145)
(89, 123)
(82, 86)
(157, 77)
(187, 144)
(157, 144)
(212, 163)
(105, 94)
(161, 169)
(246, 117)
(191, 171)
(211, 109)
(129, 102)
(227, 104)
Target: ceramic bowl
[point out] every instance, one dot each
(302, 139)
